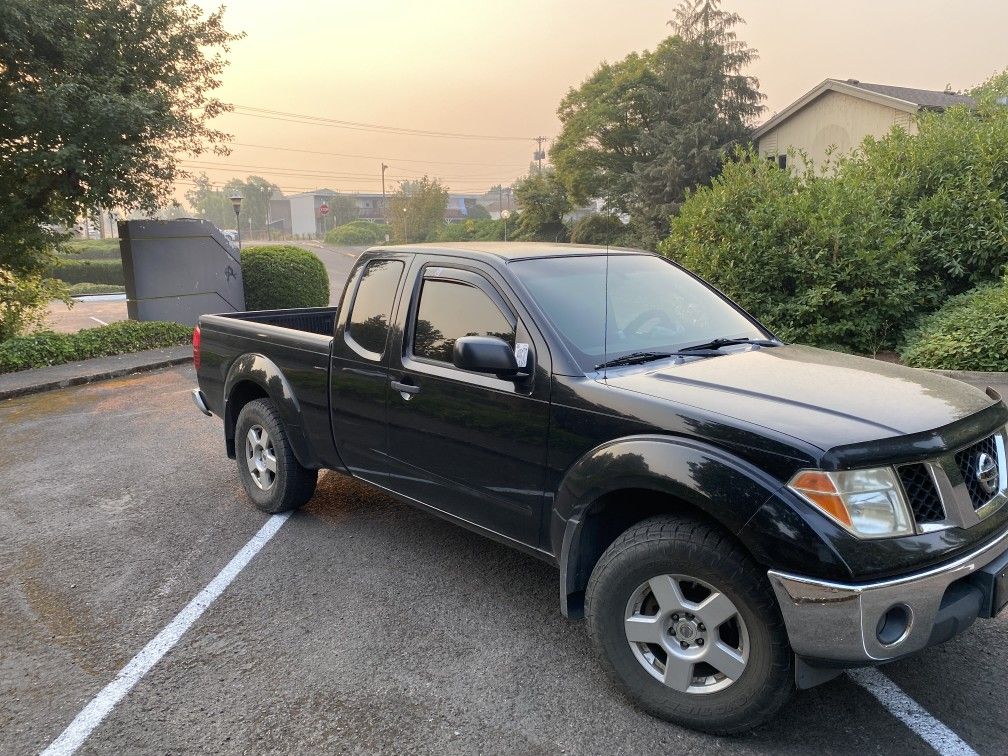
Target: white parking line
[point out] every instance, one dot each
(97, 320)
(911, 713)
(100, 706)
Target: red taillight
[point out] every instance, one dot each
(196, 347)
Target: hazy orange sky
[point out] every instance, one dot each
(501, 69)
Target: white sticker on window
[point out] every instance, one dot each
(435, 272)
(521, 354)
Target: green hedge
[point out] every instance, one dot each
(48, 348)
(78, 289)
(71, 271)
(282, 276)
(93, 249)
(357, 233)
(969, 333)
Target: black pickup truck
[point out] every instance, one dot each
(735, 516)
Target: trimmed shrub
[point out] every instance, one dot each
(79, 289)
(92, 249)
(48, 348)
(968, 333)
(600, 228)
(281, 276)
(357, 233)
(71, 271)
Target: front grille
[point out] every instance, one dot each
(925, 503)
(967, 460)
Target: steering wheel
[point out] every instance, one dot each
(659, 316)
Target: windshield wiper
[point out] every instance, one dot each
(635, 358)
(716, 344)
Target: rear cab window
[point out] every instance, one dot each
(371, 311)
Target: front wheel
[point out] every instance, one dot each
(687, 625)
(273, 478)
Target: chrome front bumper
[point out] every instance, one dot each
(840, 622)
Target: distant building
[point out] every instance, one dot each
(299, 214)
(840, 114)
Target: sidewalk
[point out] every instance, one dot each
(88, 371)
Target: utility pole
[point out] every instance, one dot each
(383, 206)
(540, 153)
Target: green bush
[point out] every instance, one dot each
(48, 348)
(24, 301)
(357, 233)
(92, 249)
(851, 254)
(600, 228)
(71, 271)
(281, 276)
(79, 289)
(968, 333)
(814, 259)
(483, 229)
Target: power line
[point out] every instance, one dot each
(239, 167)
(280, 115)
(372, 157)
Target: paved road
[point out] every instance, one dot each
(90, 314)
(363, 626)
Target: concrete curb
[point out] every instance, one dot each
(35, 381)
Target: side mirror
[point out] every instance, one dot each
(485, 354)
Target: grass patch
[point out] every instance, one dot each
(47, 348)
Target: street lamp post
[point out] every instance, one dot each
(236, 200)
(405, 220)
(505, 214)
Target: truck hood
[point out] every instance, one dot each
(824, 398)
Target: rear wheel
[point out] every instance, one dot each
(273, 478)
(687, 625)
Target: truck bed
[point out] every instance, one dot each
(319, 320)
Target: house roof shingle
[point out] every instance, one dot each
(922, 98)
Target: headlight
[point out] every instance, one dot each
(868, 503)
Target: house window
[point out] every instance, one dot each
(782, 161)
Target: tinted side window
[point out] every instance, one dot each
(450, 310)
(372, 305)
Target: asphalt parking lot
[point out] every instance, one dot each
(362, 626)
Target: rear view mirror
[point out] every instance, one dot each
(485, 354)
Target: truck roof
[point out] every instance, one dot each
(518, 250)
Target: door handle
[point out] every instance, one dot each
(406, 389)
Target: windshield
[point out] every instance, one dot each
(653, 305)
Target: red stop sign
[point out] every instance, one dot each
(324, 209)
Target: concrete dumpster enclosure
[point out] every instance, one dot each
(178, 270)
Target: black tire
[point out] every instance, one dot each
(679, 546)
(291, 485)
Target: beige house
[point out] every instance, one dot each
(840, 114)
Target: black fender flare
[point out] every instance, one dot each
(262, 371)
(721, 485)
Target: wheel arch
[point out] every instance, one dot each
(624, 481)
(255, 376)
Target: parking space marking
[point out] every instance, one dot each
(103, 703)
(97, 320)
(911, 713)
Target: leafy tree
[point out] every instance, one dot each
(600, 228)
(215, 204)
(642, 131)
(100, 100)
(342, 209)
(708, 104)
(416, 210)
(542, 203)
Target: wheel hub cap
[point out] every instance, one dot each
(260, 457)
(687, 634)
